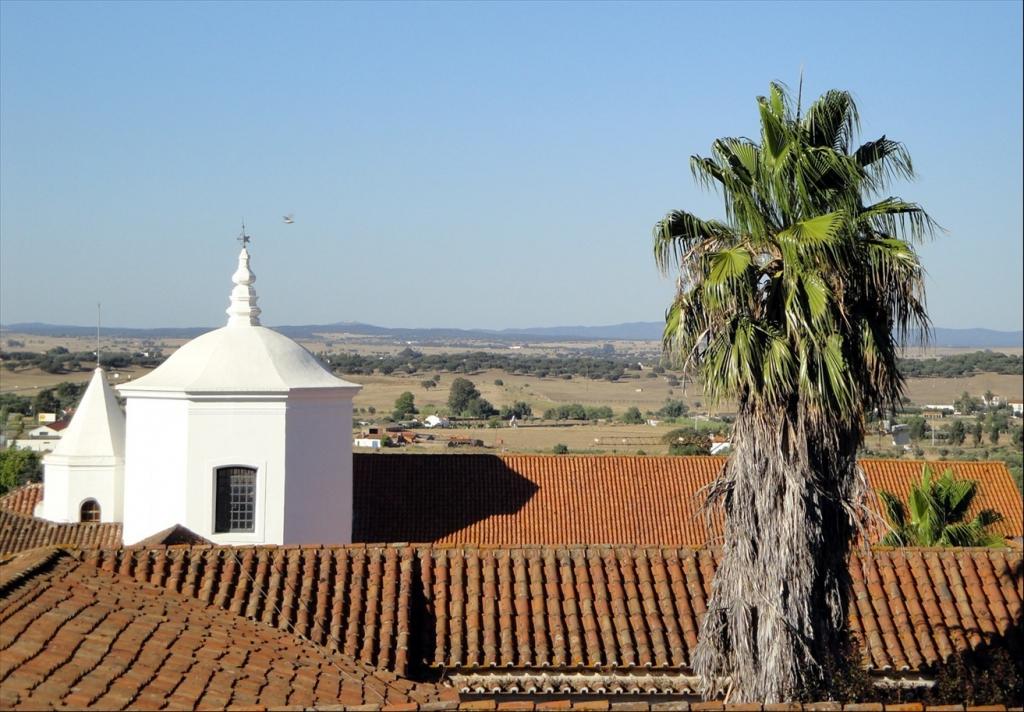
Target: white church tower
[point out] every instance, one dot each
(84, 475)
(242, 436)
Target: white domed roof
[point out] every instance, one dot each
(240, 357)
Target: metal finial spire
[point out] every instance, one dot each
(99, 314)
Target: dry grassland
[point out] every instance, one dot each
(381, 391)
(30, 381)
(945, 390)
(936, 351)
(541, 393)
(602, 438)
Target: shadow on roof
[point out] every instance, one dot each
(427, 498)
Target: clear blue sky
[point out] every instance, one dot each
(467, 165)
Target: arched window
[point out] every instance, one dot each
(236, 500)
(89, 511)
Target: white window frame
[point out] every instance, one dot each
(257, 536)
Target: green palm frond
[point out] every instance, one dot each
(954, 496)
(895, 540)
(832, 121)
(679, 232)
(802, 264)
(893, 509)
(884, 161)
(892, 216)
(937, 507)
(987, 517)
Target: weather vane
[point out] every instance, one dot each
(242, 237)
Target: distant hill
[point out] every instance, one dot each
(630, 331)
(40, 329)
(976, 338)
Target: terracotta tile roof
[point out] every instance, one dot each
(545, 499)
(354, 600)
(175, 535)
(582, 608)
(23, 500)
(557, 499)
(78, 638)
(529, 499)
(20, 533)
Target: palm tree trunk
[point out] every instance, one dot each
(779, 600)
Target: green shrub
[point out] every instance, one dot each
(988, 676)
(19, 467)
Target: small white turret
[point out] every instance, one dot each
(84, 474)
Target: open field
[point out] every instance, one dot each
(936, 351)
(362, 344)
(645, 393)
(600, 437)
(30, 381)
(945, 390)
(616, 438)
(541, 393)
(351, 343)
(380, 392)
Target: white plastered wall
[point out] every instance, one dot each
(68, 485)
(176, 443)
(156, 453)
(235, 432)
(318, 495)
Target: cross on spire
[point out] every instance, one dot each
(242, 237)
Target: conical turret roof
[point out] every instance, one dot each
(96, 431)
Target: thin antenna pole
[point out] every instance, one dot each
(800, 93)
(99, 316)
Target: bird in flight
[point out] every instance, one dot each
(289, 219)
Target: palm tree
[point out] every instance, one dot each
(793, 307)
(937, 510)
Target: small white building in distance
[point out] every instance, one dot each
(42, 438)
(84, 475)
(242, 436)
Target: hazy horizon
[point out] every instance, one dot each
(410, 327)
(460, 165)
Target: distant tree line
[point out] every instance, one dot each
(49, 400)
(612, 367)
(957, 365)
(595, 364)
(409, 362)
(576, 411)
(59, 360)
